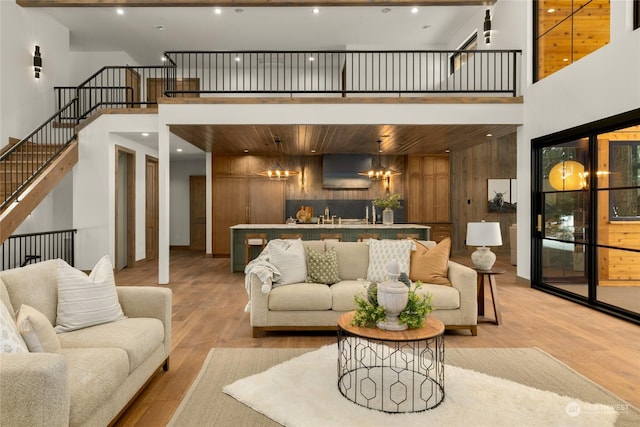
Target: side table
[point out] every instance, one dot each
(489, 276)
(391, 371)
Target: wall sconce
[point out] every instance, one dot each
(487, 27)
(37, 62)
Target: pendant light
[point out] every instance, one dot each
(378, 170)
(278, 171)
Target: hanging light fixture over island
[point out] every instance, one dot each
(279, 170)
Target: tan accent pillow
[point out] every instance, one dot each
(37, 331)
(431, 265)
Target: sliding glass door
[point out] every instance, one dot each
(586, 215)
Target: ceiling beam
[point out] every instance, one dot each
(246, 3)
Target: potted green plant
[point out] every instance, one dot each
(369, 313)
(389, 202)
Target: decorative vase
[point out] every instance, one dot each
(387, 216)
(393, 295)
(483, 258)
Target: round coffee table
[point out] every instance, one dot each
(391, 371)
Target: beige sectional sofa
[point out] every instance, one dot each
(98, 370)
(314, 306)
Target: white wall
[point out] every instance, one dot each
(85, 64)
(94, 185)
(179, 234)
(602, 84)
(25, 102)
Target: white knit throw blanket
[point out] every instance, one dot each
(266, 272)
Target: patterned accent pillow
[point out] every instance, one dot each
(86, 301)
(322, 267)
(382, 252)
(10, 339)
(37, 331)
(289, 258)
(431, 265)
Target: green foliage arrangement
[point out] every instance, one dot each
(391, 201)
(369, 313)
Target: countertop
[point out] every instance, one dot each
(322, 226)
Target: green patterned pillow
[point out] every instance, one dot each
(322, 267)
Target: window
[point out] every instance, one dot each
(586, 214)
(565, 31)
(458, 59)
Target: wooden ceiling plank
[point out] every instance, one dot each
(245, 3)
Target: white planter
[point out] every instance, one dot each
(387, 216)
(393, 296)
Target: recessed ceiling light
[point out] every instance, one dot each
(489, 135)
(120, 11)
(565, 59)
(145, 133)
(217, 11)
(311, 58)
(551, 10)
(159, 27)
(315, 10)
(414, 10)
(245, 151)
(447, 151)
(179, 150)
(313, 150)
(237, 58)
(385, 10)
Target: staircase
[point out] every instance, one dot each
(28, 172)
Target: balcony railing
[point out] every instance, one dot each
(22, 249)
(343, 73)
(115, 87)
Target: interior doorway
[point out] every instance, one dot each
(152, 208)
(125, 173)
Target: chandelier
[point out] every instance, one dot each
(278, 171)
(378, 170)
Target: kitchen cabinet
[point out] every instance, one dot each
(241, 197)
(427, 193)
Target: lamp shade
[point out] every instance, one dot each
(567, 175)
(484, 234)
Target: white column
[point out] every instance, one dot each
(163, 202)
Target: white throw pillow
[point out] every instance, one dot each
(37, 331)
(382, 252)
(289, 258)
(85, 301)
(10, 339)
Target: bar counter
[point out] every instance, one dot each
(349, 233)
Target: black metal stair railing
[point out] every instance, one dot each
(22, 249)
(341, 73)
(21, 163)
(116, 87)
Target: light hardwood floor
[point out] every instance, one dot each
(208, 303)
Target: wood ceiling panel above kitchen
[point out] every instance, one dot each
(301, 140)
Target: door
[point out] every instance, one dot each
(132, 81)
(125, 175)
(197, 213)
(155, 88)
(152, 208)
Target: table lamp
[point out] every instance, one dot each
(483, 234)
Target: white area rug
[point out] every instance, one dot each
(303, 392)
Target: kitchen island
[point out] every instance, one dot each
(349, 233)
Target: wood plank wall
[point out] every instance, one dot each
(470, 170)
(308, 185)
